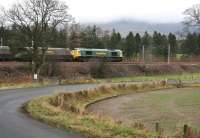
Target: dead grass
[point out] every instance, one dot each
(78, 80)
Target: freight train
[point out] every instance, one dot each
(64, 54)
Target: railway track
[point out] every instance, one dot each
(154, 63)
(8, 63)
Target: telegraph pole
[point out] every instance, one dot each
(32, 44)
(1, 41)
(143, 57)
(35, 75)
(169, 53)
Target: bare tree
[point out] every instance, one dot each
(37, 19)
(2, 17)
(2, 25)
(192, 17)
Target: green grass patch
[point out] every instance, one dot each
(171, 108)
(182, 77)
(4, 86)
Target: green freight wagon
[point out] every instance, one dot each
(5, 53)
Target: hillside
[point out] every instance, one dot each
(125, 26)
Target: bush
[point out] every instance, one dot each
(97, 69)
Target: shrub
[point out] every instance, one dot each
(97, 68)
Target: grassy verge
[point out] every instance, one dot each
(78, 81)
(182, 77)
(68, 111)
(4, 86)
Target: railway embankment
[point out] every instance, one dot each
(14, 73)
(88, 69)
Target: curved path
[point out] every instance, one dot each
(14, 124)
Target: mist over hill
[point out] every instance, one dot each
(125, 26)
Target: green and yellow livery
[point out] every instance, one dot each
(86, 54)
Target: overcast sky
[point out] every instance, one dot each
(108, 10)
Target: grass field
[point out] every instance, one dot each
(183, 77)
(171, 108)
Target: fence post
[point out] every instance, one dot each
(185, 131)
(157, 127)
(1, 41)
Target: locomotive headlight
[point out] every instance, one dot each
(120, 54)
(78, 53)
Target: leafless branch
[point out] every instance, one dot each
(192, 16)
